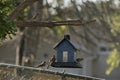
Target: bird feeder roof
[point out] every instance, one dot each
(63, 41)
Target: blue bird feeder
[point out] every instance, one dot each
(65, 54)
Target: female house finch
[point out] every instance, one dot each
(52, 59)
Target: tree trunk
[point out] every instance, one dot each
(30, 40)
(32, 36)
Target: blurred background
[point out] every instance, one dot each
(98, 42)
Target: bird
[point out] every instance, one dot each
(79, 59)
(42, 64)
(28, 59)
(52, 59)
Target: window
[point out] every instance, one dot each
(103, 49)
(65, 56)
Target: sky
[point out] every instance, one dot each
(66, 2)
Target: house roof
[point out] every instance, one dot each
(67, 41)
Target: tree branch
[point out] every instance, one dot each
(52, 23)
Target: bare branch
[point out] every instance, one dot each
(52, 23)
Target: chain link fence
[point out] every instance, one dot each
(15, 72)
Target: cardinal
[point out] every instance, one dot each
(42, 64)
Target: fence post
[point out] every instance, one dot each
(63, 77)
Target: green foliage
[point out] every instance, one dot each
(113, 60)
(7, 27)
(23, 14)
(60, 30)
(115, 24)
